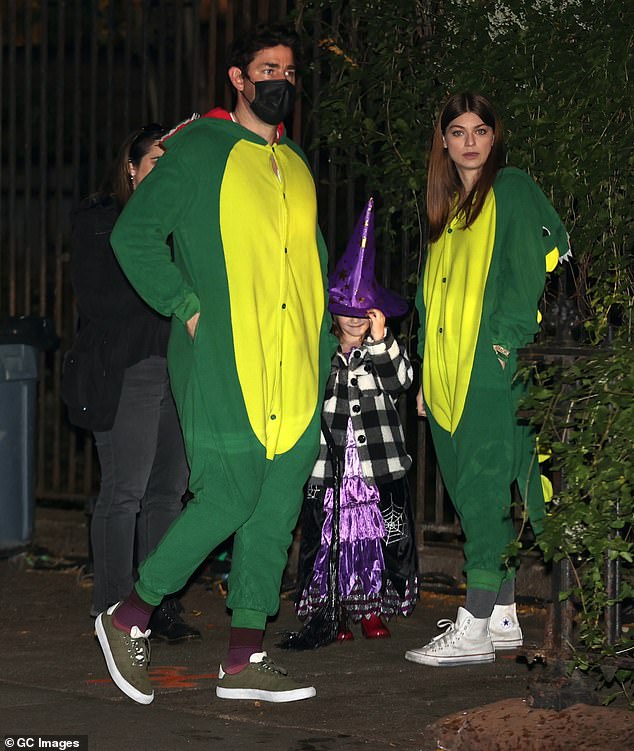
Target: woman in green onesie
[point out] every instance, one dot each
(493, 236)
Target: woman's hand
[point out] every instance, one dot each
(377, 324)
(502, 354)
(192, 324)
(420, 404)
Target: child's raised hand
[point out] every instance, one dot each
(377, 324)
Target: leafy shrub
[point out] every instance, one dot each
(559, 73)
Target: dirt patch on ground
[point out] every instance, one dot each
(512, 725)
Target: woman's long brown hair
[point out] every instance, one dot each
(132, 150)
(443, 181)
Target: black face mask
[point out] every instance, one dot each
(273, 101)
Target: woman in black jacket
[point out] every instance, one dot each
(116, 384)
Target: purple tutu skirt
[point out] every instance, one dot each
(363, 585)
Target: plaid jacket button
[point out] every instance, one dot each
(361, 439)
(356, 408)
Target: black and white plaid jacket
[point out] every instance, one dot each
(364, 389)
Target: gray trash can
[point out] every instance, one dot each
(18, 379)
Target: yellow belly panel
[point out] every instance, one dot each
(268, 223)
(453, 288)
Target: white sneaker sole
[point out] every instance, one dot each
(127, 688)
(448, 662)
(260, 695)
(502, 644)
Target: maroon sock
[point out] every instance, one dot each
(133, 612)
(243, 642)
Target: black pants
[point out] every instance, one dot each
(143, 479)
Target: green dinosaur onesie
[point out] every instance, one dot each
(481, 287)
(248, 255)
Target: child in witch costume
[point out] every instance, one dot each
(377, 563)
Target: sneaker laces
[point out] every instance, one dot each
(171, 610)
(448, 634)
(139, 647)
(169, 615)
(268, 665)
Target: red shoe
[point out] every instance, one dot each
(345, 635)
(374, 628)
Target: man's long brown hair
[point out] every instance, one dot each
(443, 181)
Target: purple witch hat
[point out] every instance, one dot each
(353, 288)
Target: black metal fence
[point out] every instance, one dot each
(75, 77)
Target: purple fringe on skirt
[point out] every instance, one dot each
(361, 562)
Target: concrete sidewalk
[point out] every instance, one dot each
(54, 680)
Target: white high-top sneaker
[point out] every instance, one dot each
(464, 642)
(504, 627)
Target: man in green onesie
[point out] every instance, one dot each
(248, 355)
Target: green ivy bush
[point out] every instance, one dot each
(585, 414)
(559, 72)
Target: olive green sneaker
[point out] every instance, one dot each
(127, 656)
(261, 679)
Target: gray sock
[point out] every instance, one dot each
(506, 595)
(480, 602)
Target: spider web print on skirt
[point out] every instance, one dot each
(377, 561)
